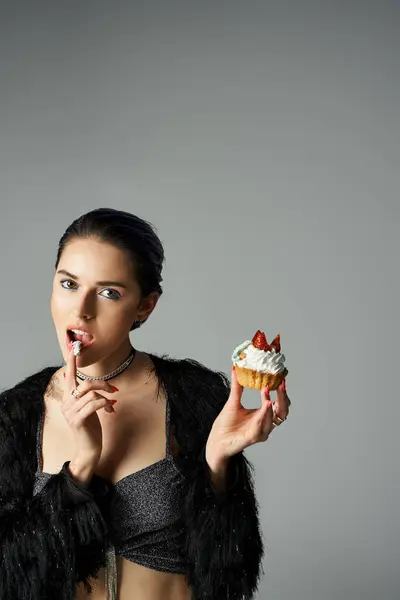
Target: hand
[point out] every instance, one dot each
(81, 415)
(237, 427)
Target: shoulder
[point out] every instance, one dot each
(20, 409)
(26, 396)
(192, 383)
(188, 371)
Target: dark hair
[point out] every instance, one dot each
(136, 237)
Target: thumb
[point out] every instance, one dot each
(236, 390)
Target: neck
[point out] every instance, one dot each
(107, 365)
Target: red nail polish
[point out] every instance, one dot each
(284, 385)
(113, 401)
(115, 388)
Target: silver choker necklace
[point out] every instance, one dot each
(117, 371)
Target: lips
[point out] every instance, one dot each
(86, 340)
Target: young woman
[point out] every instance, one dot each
(122, 473)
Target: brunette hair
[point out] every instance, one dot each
(135, 236)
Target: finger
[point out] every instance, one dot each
(287, 400)
(70, 372)
(85, 386)
(266, 403)
(267, 425)
(280, 394)
(278, 418)
(265, 395)
(89, 405)
(281, 406)
(236, 393)
(91, 396)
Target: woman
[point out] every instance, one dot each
(122, 472)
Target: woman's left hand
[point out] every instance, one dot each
(237, 428)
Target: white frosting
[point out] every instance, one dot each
(77, 347)
(260, 360)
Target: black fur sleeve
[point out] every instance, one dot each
(224, 541)
(53, 540)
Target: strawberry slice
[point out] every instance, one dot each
(260, 341)
(277, 343)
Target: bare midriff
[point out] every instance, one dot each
(140, 583)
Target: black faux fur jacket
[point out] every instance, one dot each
(50, 542)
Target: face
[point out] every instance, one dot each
(94, 290)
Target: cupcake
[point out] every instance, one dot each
(258, 364)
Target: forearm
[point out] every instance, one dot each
(218, 471)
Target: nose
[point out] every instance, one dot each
(85, 308)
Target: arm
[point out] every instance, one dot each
(53, 540)
(224, 541)
(218, 475)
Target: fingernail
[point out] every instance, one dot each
(112, 409)
(115, 388)
(113, 401)
(284, 384)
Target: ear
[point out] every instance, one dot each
(147, 305)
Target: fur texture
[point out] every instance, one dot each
(49, 543)
(224, 544)
(41, 537)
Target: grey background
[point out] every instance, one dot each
(262, 139)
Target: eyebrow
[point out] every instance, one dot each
(115, 283)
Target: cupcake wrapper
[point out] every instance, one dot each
(257, 380)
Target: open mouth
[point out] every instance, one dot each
(86, 339)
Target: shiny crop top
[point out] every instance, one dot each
(145, 524)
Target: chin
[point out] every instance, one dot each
(86, 358)
(82, 362)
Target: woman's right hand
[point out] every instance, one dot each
(81, 415)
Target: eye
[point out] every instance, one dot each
(116, 295)
(69, 284)
(67, 281)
